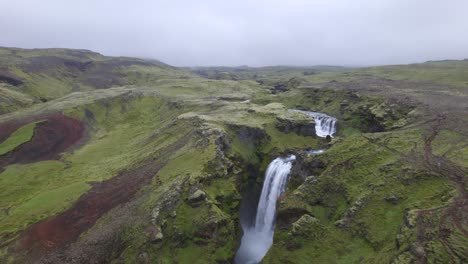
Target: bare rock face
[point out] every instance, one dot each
(300, 127)
(305, 167)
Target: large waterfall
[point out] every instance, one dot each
(325, 125)
(258, 239)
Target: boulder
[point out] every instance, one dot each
(196, 198)
(392, 198)
(154, 233)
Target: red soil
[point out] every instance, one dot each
(57, 232)
(60, 230)
(51, 137)
(6, 129)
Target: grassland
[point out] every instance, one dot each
(391, 185)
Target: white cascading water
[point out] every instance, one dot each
(258, 239)
(325, 125)
(315, 152)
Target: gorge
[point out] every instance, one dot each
(125, 160)
(258, 238)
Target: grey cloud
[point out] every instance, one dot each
(243, 32)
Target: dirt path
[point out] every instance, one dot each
(453, 214)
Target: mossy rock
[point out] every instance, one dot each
(308, 227)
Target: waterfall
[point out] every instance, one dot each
(258, 239)
(315, 152)
(325, 125)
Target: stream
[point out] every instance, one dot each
(258, 235)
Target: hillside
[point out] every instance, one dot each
(125, 160)
(39, 75)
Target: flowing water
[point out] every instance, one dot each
(258, 238)
(315, 152)
(325, 125)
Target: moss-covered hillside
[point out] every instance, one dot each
(123, 160)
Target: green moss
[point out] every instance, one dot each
(372, 183)
(355, 187)
(40, 193)
(20, 136)
(12, 100)
(280, 141)
(119, 140)
(188, 161)
(225, 195)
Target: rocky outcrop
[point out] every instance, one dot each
(307, 166)
(300, 127)
(283, 86)
(249, 135)
(196, 198)
(307, 227)
(350, 213)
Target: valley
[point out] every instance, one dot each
(126, 160)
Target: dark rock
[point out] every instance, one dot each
(196, 198)
(286, 217)
(143, 258)
(249, 135)
(300, 127)
(283, 86)
(393, 199)
(418, 250)
(307, 167)
(279, 88)
(342, 223)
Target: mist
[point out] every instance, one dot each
(254, 33)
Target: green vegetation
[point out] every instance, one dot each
(12, 100)
(389, 188)
(20, 136)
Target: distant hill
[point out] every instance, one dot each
(126, 160)
(261, 73)
(33, 75)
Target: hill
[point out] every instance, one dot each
(125, 160)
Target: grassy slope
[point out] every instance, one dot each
(12, 100)
(43, 74)
(20, 136)
(362, 175)
(159, 106)
(101, 158)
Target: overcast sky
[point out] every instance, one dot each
(245, 32)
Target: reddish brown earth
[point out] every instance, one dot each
(51, 137)
(62, 229)
(56, 233)
(6, 129)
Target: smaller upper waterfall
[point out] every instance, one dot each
(325, 125)
(315, 151)
(258, 239)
